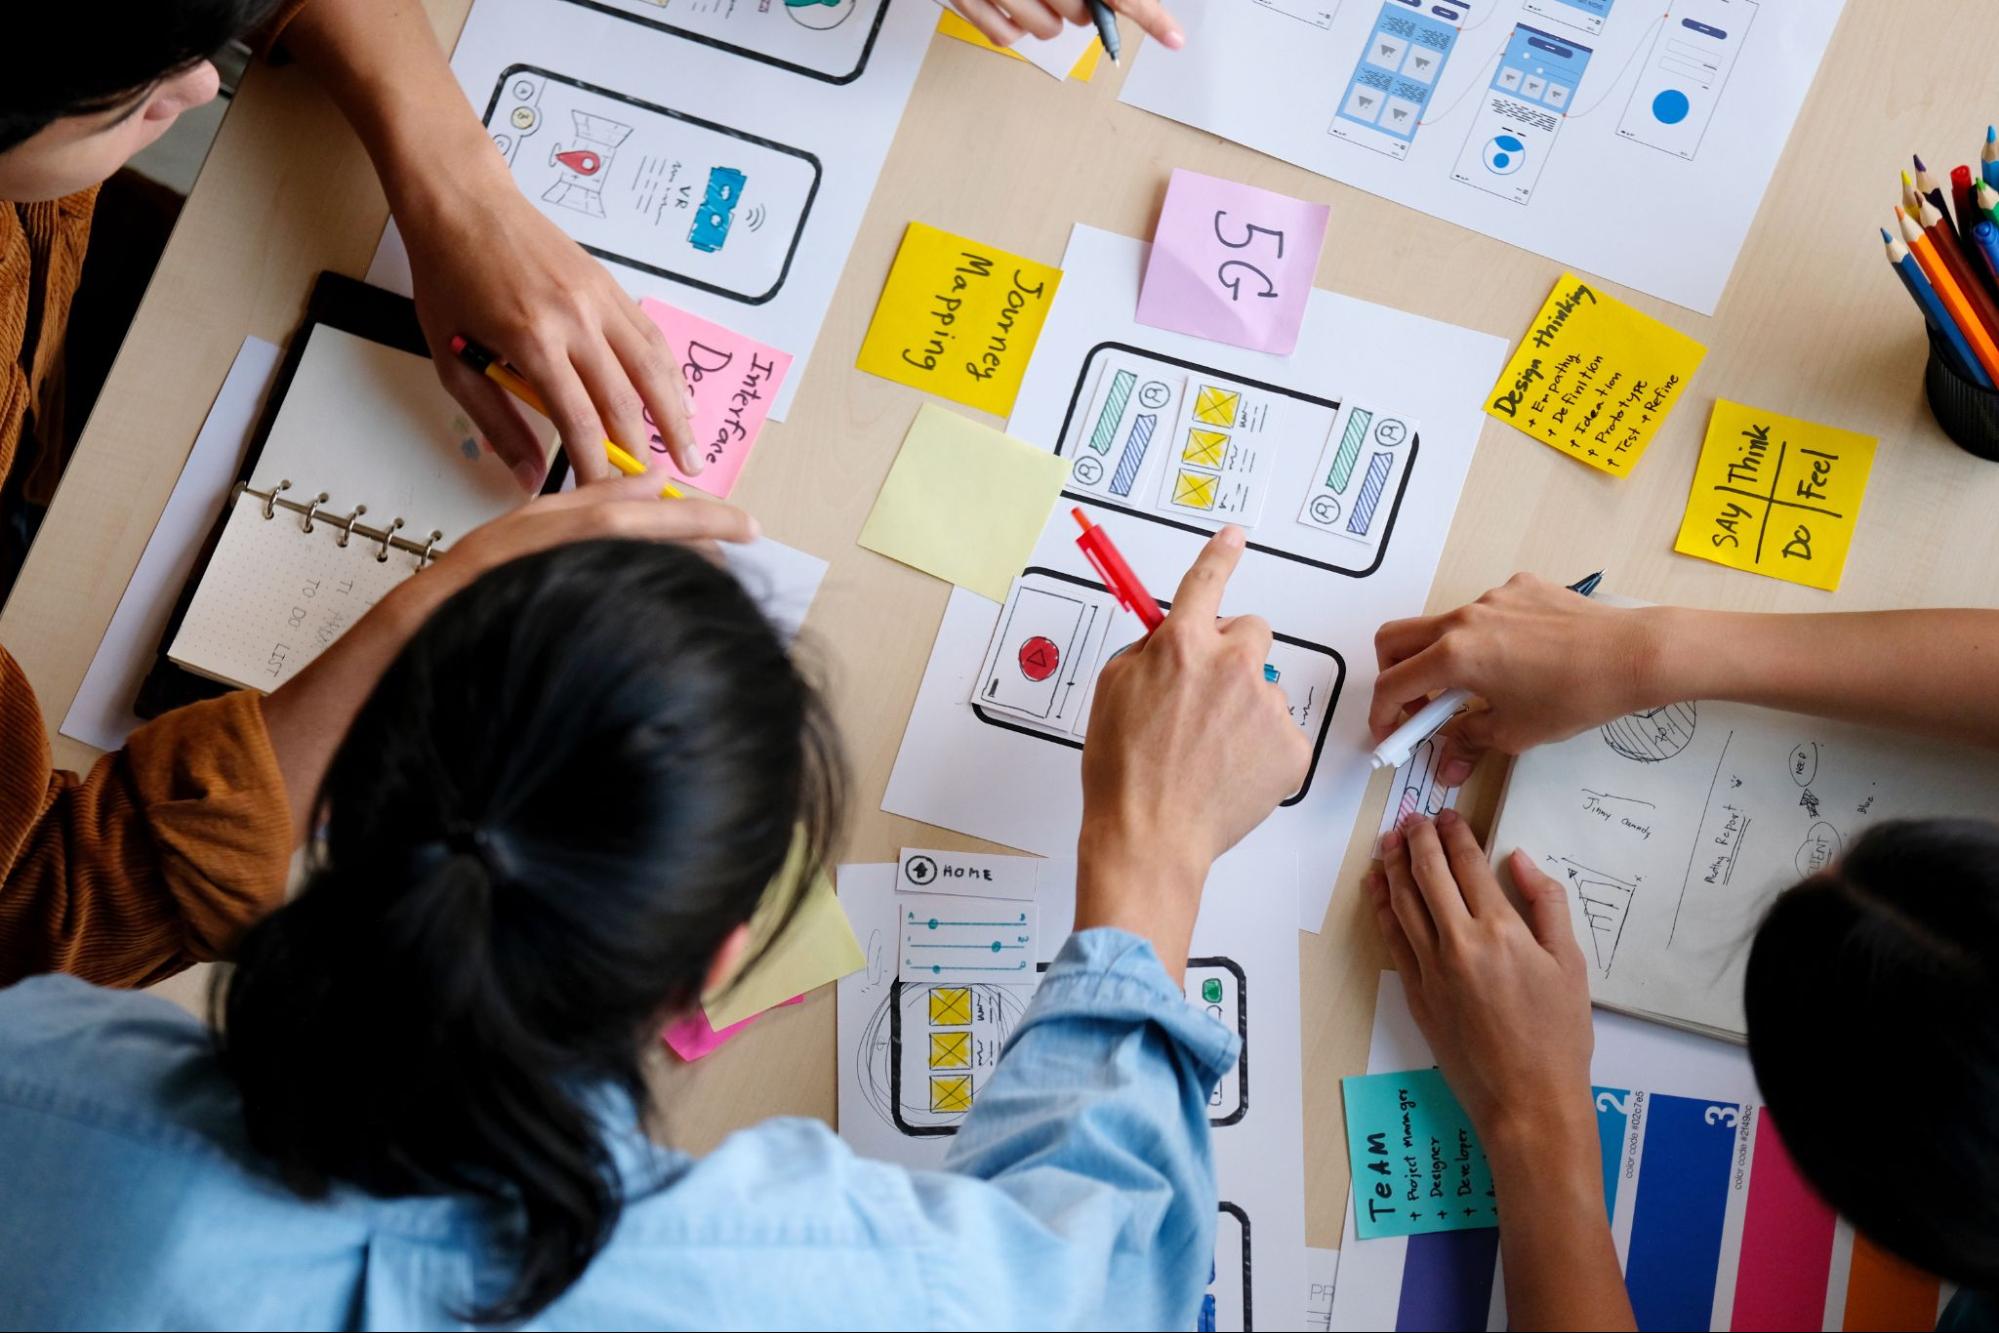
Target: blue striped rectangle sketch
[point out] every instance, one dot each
(1370, 493)
(1134, 454)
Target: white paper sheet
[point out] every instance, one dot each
(1673, 829)
(781, 579)
(1244, 963)
(1415, 791)
(1634, 144)
(101, 714)
(1322, 1266)
(718, 158)
(995, 776)
(1629, 1054)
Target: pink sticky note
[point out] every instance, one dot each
(734, 380)
(1232, 263)
(690, 1038)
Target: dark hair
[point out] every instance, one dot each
(1873, 1003)
(568, 789)
(77, 60)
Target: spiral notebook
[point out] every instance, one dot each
(364, 470)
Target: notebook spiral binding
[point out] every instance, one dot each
(345, 527)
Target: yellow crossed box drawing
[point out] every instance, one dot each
(1204, 447)
(950, 1092)
(1194, 490)
(951, 1050)
(1216, 407)
(950, 1006)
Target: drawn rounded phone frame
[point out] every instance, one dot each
(1079, 402)
(992, 719)
(749, 53)
(810, 160)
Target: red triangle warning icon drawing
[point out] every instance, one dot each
(1039, 657)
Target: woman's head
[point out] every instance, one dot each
(564, 798)
(91, 85)
(1873, 1005)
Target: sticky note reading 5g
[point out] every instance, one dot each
(1775, 495)
(1232, 262)
(1593, 377)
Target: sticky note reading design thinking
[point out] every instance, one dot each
(964, 502)
(1417, 1166)
(734, 380)
(958, 318)
(1775, 495)
(1232, 262)
(1594, 378)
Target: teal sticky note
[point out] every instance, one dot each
(1417, 1165)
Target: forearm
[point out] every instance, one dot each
(1130, 882)
(1554, 1237)
(1933, 672)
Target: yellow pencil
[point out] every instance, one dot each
(507, 378)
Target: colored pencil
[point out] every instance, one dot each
(1961, 265)
(1989, 157)
(1927, 188)
(1985, 240)
(1933, 310)
(1911, 201)
(1954, 301)
(1963, 200)
(1988, 201)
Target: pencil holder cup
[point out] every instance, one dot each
(1967, 413)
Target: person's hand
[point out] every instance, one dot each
(1004, 21)
(1189, 748)
(1502, 997)
(487, 266)
(1548, 663)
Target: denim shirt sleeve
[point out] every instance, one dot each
(1093, 1136)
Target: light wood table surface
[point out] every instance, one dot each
(1813, 324)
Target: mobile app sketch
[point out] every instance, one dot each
(656, 189)
(1397, 73)
(1684, 72)
(1531, 92)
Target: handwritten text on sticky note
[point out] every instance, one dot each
(1417, 1165)
(958, 318)
(1232, 262)
(734, 380)
(1593, 377)
(1775, 495)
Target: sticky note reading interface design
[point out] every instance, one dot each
(734, 380)
(1594, 377)
(1775, 495)
(1417, 1165)
(959, 318)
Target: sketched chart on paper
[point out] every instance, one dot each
(1672, 829)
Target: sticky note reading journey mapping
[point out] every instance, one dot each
(734, 380)
(1593, 377)
(1775, 495)
(943, 937)
(1232, 262)
(1417, 1165)
(958, 318)
(964, 502)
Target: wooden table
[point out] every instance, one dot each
(1812, 324)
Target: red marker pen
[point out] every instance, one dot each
(1118, 576)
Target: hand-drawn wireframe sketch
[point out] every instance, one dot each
(825, 40)
(581, 183)
(1652, 735)
(1688, 65)
(1604, 902)
(1416, 790)
(1521, 115)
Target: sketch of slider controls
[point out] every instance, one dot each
(1122, 383)
(1135, 444)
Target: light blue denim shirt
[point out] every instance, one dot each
(1079, 1193)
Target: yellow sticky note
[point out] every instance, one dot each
(964, 502)
(817, 946)
(952, 24)
(959, 318)
(1775, 495)
(1593, 377)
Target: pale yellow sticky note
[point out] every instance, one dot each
(1593, 377)
(958, 318)
(817, 946)
(953, 24)
(1775, 495)
(964, 502)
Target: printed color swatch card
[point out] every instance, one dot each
(734, 381)
(963, 502)
(1775, 495)
(1417, 1165)
(949, 937)
(958, 318)
(1594, 378)
(1232, 262)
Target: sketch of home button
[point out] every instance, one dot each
(919, 870)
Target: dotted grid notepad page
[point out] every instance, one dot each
(274, 595)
